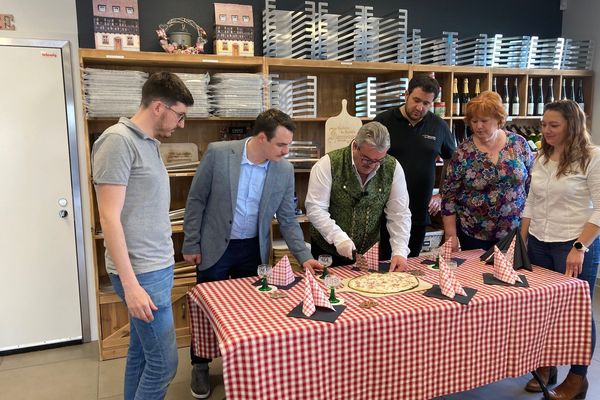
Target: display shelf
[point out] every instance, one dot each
(112, 58)
(336, 80)
(181, 174)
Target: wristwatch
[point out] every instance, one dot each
(581, 247)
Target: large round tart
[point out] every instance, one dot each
(390, 283)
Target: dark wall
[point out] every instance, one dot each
(542, 18)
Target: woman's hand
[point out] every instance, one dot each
(455, 243)
(574, 263)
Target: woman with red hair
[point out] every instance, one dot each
(487, 179)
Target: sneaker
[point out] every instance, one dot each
(200, 385)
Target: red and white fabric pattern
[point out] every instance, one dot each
(446, 249)
(282, 274)
(510, 253)
(506, 332)
(313, 296)
(503, 267)
(449, 284)
(372, 257)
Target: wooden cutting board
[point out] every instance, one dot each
(177, 153)
(345, 289)
(341, 129)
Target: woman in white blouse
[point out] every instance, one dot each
(561, 220)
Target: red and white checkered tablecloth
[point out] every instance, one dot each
(408, 347)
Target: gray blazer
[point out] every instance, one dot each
(212, 199)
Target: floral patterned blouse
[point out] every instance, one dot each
(488, 198)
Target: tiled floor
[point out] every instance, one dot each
(74, 373)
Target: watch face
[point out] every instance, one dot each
(578, 245)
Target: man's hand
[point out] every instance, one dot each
(193, 258)
(311, 265)
(345, 248)
(435, 204)
(139, 303)
(398, 263)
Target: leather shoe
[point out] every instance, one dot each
(547, 375)
(574, 387)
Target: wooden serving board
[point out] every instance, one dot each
(341, 129)
(177, 153)
(345, 289)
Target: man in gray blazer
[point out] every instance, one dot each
(237, 189)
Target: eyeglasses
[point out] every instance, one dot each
(369, 161)
(181, 116)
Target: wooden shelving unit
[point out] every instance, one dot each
(335, 81)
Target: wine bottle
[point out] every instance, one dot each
(571, 95)
(563, 90)
(465, 97)
(579, 96)
(550, 91)
(494, 87)
(455, 99)
(477, 88)
(505, 98)
(539, 101)
(514, 99)
(530, 100)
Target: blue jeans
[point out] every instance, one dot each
(152, 356)
(553, 256)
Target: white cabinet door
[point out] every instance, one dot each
(39, 287)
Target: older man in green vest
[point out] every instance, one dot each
(351, 192)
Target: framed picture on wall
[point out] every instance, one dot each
(116, 25)
(234, 30)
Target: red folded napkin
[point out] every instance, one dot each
(282, 274)
(449, 285)
(510, 253)
(503, 265)
(446, 249)
(314, 295)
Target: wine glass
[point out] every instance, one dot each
(435, 257)
(332, 282)
(264, 270)
(451, 265)
(325, 260)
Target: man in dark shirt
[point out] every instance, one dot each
(417, 137)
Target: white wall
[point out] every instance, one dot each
(580, 21)
(57, 19)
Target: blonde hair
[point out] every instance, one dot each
(578, 142)
(488, 104)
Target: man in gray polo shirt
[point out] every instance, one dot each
(132, 186)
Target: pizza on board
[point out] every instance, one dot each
(390, 283)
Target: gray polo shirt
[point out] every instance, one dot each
(125, 155)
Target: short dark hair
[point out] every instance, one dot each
(166, 87)
(426, 83)
(269, 120)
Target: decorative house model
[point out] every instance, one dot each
(116, 25)
(234, 30)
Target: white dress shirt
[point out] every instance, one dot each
(560, 207)
(396, 209)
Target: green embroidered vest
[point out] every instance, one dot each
(357, 211)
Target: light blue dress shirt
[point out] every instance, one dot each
(250, 188)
